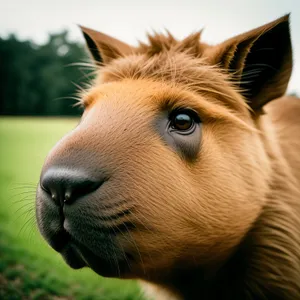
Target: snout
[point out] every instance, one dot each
(73, 216)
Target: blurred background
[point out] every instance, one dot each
(42, 57)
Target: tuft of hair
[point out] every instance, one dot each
(158, 43)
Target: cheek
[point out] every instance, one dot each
(159, 182)
(230, 184)
(201, 207)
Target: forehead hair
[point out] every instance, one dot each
(179, 63)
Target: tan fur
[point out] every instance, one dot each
(226, 223)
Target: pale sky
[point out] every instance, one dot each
(130, 19)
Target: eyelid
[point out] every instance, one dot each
(184, 132)
(185, 110)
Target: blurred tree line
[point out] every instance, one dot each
(40, 79)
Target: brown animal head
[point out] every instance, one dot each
(167, 170)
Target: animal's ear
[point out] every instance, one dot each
(104, 48)
(260, 61)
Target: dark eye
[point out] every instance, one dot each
(183, 120)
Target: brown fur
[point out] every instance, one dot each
(225, 225)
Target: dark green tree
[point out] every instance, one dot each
(41, 79)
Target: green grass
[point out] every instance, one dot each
(29, 268)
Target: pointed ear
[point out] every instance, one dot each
(260, 61)
(104, 48)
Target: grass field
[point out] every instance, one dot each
(29, 269)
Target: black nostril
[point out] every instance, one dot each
(66, 185)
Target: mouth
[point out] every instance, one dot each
(77, 255)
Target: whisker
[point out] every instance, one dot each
(22, 187)
(19, 191)
(27, 193)
(26, 199)
(141, 236)
(116, 216)
(263, 65)
(80, 88)
(115, 257)
(123, 251)
(82, 64)
(88, 75)
(114, 205)
(31, 228)
(24, 206)
(25, 184)
(78, 104)
(136, 246)
(119, 228)
(23, 228)
(29, 211)
(67, 98)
